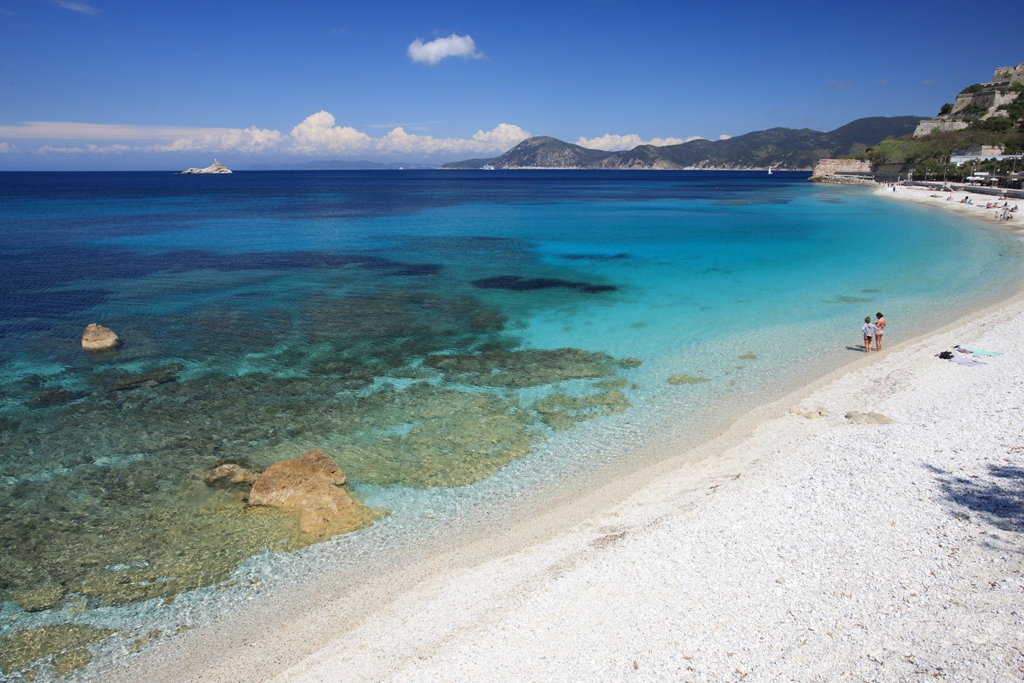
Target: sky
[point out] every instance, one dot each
(117, 85)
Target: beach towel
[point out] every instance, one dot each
(981, 352)
(964, 360)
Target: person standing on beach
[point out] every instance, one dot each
(869, 330)
(879, 329)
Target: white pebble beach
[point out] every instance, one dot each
(795, 547)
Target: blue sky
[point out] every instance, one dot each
(99, 84)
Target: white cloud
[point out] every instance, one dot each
(723, 136)
(7, 148)
(317, 135)
(88, 149)
(433, 52)
(72, 130)
(613, 143)
(80, 7)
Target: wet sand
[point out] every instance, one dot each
(793, 546)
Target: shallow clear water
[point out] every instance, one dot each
(450, 339)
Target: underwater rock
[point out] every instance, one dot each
(517, 369)
(54, 397)
(629, 362)
(515, 283)
(685, 379)
(562, 412)
(148, 379)
(428, 436)
(38, 599)
(311, 486)
(99, 338)
(229, 476)
(20, 650)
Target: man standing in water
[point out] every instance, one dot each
(869, 330)
(879, 329)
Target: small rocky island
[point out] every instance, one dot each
(215, 167)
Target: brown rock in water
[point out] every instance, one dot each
(311, 486)
(99, 338)
(229, 476)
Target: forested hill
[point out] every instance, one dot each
(782, 148)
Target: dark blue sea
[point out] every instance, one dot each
(452, 340)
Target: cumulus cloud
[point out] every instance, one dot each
(433, 52)
(318, 134)
(7, 148)
(723, 136)
(80, 7)
(609, 142)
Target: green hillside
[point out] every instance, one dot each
(783, 148)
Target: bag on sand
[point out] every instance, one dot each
(946, 355)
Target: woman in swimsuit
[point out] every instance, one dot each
(879, 329)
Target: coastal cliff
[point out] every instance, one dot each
(214, 168)
(779, 148)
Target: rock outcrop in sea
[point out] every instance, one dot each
(215, 167)
(99, 338)
(311, 486)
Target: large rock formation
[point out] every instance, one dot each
(99, 338)
(312, 487)
(215, 167)
(981, 101)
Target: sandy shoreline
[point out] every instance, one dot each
(951, 202)
(787, 548)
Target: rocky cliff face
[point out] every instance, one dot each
(976, 102)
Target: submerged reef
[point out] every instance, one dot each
(562, 412)
(66, 642)
(517, 369)
(102, 492)
(520, 284)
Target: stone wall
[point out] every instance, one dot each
(1005, 74)
(831, 167)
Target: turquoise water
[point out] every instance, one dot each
(451, 340)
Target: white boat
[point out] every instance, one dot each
(769, 170)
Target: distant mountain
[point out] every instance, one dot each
(336, 165)
(782, 148)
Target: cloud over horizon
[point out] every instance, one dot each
(317, 135)
(433, 52)
(615, 143)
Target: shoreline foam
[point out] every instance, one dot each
(588, 586)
